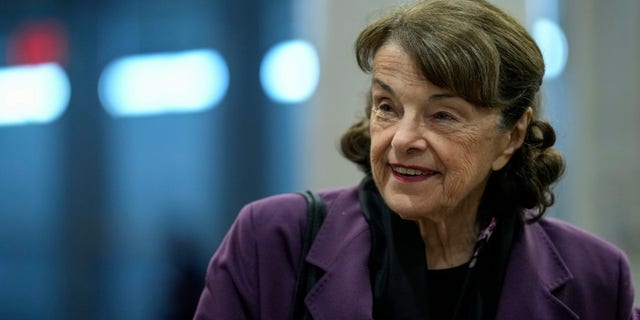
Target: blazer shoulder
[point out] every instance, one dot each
(289, 210)
(572, 239)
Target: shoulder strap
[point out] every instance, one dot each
(307, 273)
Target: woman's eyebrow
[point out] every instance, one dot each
(440, 96)
(384, 86)
(433, 97)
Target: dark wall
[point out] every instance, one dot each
(115, 218)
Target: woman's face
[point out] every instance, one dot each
(431, 152)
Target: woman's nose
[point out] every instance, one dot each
(408, 137)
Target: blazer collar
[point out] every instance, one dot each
(342, 223)
(535, 272)
(341, 249)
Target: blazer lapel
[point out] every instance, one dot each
(534, 273)
(341, 249)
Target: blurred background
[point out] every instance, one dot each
(132, 132)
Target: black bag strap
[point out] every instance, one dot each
(308, 274)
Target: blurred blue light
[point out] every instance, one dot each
(290, 71)
(536, 9)
(33, 93)
(179, 82)
(554, 47)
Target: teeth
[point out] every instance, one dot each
(408, 171)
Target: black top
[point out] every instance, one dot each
(403, 287)
(445, 288)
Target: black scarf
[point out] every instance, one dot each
(398, 265)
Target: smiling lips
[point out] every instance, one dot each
(411, 174)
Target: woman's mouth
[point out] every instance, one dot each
(411, 174)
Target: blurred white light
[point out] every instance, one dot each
(33, 94)
(180, 82)
(554, 47)
(290, 71)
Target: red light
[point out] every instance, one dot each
(38, 42)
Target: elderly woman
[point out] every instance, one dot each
(447, 223)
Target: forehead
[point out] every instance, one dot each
(392, 60)
(396, 71)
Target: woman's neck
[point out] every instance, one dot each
(449, 242)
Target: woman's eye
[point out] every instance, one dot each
(384, 111)
(385, 107)
(443, 116)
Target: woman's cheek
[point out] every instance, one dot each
(379, 145)
(377, 160)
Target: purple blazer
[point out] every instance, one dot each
(556, 271)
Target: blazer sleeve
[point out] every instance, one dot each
(231, 286)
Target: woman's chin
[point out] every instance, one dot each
(409, 211)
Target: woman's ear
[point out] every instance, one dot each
(515, 139)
